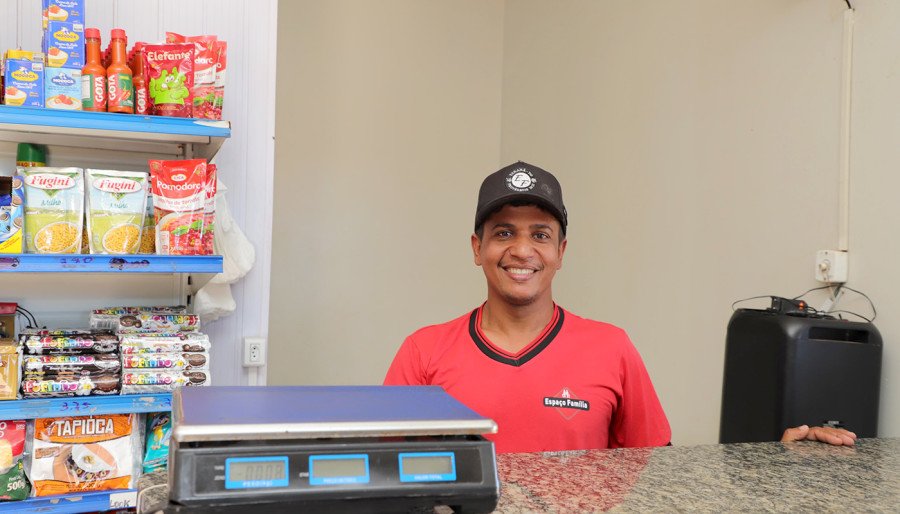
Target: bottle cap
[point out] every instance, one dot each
(92, 33)
(118, 34)
(28, 154)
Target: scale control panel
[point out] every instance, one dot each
(366, 468)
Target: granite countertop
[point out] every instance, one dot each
(776, 477)
(748, 477)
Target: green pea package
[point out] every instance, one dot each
(54, 209)
(116, 204)
(13, 484)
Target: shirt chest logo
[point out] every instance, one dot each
(566, 403)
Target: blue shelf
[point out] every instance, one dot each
(78, 263)
(161, 135)
(84, 406)
(75, 502)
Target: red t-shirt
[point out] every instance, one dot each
(580, 385)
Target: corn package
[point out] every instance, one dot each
(117, 202)
(54, 209)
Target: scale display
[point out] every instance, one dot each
(427, 467)
(255, 472)
(338, 469)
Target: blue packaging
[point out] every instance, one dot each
(62, 88)
(71, 11)
(64, 44)
(24, 78)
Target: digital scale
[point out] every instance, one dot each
(328, 449)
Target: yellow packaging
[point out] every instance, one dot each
(12, 216)
(10, 355)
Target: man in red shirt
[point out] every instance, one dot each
(550, 379)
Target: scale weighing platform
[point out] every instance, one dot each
(328, 449)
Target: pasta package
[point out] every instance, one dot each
(179, 200)
(84, 453)
(54, 209)
(116, 204)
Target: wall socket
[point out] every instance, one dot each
(832, 266)
(254, 351)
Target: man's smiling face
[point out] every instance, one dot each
(520, 250)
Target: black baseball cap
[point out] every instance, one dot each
(520, 182)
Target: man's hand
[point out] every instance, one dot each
(835, 436)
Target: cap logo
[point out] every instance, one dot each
(520, 180)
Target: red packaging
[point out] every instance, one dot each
(209, 211)
(169, 72)
(179, 200)
(206, 54)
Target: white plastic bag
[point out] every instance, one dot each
(214, 299)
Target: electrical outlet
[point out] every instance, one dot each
(254, 351)
(832, 266)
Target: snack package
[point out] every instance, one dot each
(115, 210)
(156, 342)
(169, 72)
(159, 431)
(167, 361)
(108, 318)
(10, 357)
(68, 342)
(158, 381)
(209, 212)
(13, 484)
(12, 214)
(74, 364)
(179, 200)
(54, 209)
(153, 322)
(84, 454)
(66, 385)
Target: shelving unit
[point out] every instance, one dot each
(162, 137)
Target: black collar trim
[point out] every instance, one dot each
(503, 359)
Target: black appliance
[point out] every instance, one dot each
(790, 367)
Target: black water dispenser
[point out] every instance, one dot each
(789, 369)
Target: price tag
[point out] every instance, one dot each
(122, 500)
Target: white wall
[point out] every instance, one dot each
(697, 143)
(246, 161)
(389, 114)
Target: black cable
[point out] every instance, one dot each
(28, 316)
(748, 299)
(848, 5)
(855, 314)
(871, 304)
(815, 289)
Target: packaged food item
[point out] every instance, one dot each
(23, 78)
(221, 68)
(108, 318)
(54, 209)
(62, 89)
(69, 343)
(63, 385)
(13, 484)
(29, 155)
(115, 210)
(93, 74)
(141, 96)
(169, 72)
(153, 322)
(63, 10)
(64, 44)
(179, 199)
(12, 214)
(148, 234)
(84, 364)
(159, 431)
(154, 342)
(84, 453)
(168, 361)
(143, 382)
(206, 55)
(209, 212)
(10, 357)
